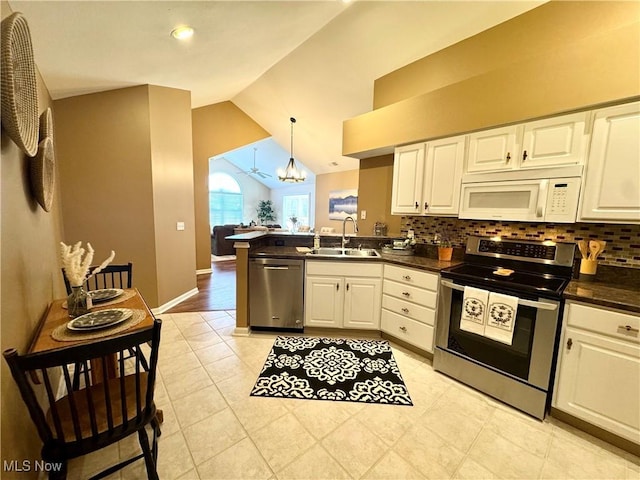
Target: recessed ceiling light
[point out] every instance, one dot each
(182, 33)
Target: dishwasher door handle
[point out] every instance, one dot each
(275, 267)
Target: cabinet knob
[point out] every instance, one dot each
(406, 294)
(524, 155)
(569, 344)
(405, 310)
(508, 157)
(407, 277)
(403, 328)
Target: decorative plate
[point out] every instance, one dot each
(43, 174)
(19, 84)
(104, 294)
(100, 319)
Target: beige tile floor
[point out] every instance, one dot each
(213, 429)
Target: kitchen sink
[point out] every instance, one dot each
(343, 252)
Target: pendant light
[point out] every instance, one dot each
(291, 173)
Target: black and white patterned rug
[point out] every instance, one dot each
(332, 369)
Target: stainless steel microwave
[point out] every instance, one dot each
(536, 200)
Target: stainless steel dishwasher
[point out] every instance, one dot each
(276, 298)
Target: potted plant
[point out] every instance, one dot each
(445, 247)
(265, 211)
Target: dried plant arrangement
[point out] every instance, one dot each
(75, 267)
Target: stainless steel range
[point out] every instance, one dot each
(499, 316)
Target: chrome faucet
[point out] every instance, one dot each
(345, 240)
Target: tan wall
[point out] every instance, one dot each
(172, 172)
(126, 180)
(329, 182)
(105, 178)
(217, 129)
(539, 31)
(374, 195)
(577, 60)
(31, 279)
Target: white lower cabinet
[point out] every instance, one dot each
(598, 372)
(343, 295)
(409, 299)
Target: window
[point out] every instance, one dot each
(225, 200)
(296, 206)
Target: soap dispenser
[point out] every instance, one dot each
(316, 241)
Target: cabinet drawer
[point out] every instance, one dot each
(411, 276)
(426, 298)
(614, 324)
(408, 309)
(408, 330)
(344, 268)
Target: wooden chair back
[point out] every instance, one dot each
(113, 276)
(106, 409)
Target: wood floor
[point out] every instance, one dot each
(216, 291)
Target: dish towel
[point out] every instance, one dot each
(501, 317)
(474, 308)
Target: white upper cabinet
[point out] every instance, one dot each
(551, 142)
(442, 176)
(492, 150)
(554, 141)
(612, 187)
(428, 183)
(408, 167)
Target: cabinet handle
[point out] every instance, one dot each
(524, 155)
(417, 206)
(405, 310)
(508, 157)
(406, 277)
(406, 294)
(569, 344)
(426, 206)
(337, 287)
(403, 328)
(347, 287)
(628, 329)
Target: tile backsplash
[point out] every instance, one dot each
(623, 241)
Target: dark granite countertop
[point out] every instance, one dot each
(623, 297)
(613, 287)
(415, 261)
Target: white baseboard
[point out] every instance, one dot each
(174, 302)
(204, 271)
(240, 332)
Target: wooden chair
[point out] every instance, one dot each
(113, 276)
(86, 420)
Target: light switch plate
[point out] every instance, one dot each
(363, 214)
(180, 226)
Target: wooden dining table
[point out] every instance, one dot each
(57, 315)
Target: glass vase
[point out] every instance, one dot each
(78, 302)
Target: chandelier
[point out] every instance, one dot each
(291, 173)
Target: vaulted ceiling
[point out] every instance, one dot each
(313, 60)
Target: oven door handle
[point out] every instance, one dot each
(521, 301)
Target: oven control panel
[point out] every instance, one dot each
(518, 249)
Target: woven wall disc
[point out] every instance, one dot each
(43, 174)
(19, 84)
